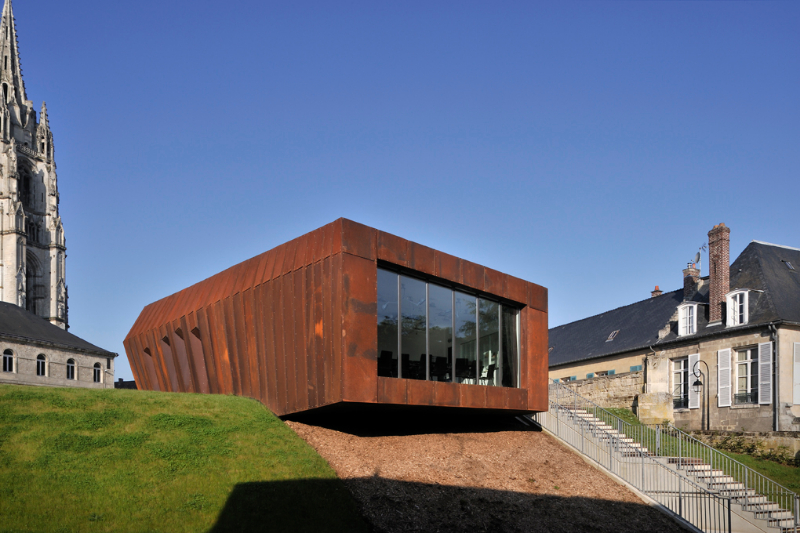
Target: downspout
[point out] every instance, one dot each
(776, 425)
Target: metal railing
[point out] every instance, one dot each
(713, 470)
(689, 500)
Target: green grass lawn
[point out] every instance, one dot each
(120, 460)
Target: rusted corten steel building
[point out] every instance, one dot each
(350, 314)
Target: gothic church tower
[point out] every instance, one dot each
(32, 246)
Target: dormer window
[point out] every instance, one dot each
(737, 308)
(687, 319)
(612, 336)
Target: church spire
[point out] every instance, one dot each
(10, 69)
(43, 120)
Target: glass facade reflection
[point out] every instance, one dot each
(444, 335)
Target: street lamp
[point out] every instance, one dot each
(697, 386)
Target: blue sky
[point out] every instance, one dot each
(585, 146)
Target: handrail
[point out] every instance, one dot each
(671, 442)
(694, 503)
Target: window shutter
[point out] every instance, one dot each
(765, 373)
(694, 398)
(796, 399)
(724, 378)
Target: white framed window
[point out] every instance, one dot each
(97, 372)
(8, 361)
(737, 308)
(687, 319)
(680, 383)
(41, 365)
(70, 369)
(746, 376)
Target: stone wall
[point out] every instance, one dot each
(618, 390)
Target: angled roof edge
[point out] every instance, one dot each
(616, 309)
(776, 245)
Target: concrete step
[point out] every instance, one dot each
(686, 461)
(757, 502)
(779, 514)
(782, 523)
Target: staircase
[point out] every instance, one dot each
(699, 484)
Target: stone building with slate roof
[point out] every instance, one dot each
(36, 352)
(736, 332)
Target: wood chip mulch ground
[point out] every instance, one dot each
(505, 478)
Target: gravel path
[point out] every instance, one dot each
(504, 479)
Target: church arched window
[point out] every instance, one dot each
(41, 365)
(8, 361)
(70, 368)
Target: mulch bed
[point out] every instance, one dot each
(506, 478)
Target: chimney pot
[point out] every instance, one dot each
(656, 292)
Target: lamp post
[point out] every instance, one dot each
(698, 388)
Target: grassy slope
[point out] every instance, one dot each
(117, 460)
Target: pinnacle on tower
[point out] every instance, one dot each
(10, 68)
(43, 120)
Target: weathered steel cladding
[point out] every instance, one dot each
(295, 328)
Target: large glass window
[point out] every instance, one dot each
(466, 349)
(444, 335)
(510, 347)
(414, 309)
(488, 342)
(388, 308)
(440, 332)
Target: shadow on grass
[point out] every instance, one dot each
(317, 505)
(387, 420)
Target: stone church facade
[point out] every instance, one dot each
(32, 245)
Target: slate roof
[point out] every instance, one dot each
(21, 325)
(760, 267)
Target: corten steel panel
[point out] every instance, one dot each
(196, 355)
(266, 299)
(252, 349)
(494, 282)
(280, 351)
(229, 323)
(180, 328)
(418, 392)
(516, 289)
(288, 258)
(326, 340)
(472, 275)
(296, 327)
(421, 258)
(448, 266)
(495, 398)
(445, 394)
(359, 326)
(517, 399)
(537, 297)
(314, 399)
(181, 359)
(392, 248)
(216, 317)
(537, 360)
(392, 390)
(212, 364)
(336, 323)
(359, 240)
(298, 342)
(472, 396)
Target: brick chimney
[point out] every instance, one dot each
(719, 269)
(691, 279)
(656, 292)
